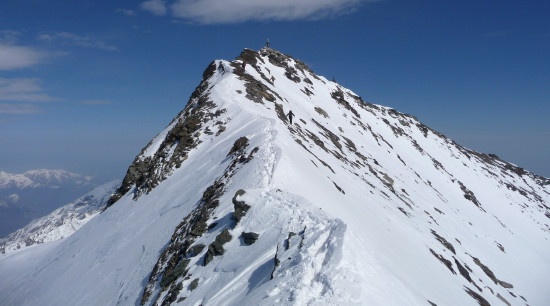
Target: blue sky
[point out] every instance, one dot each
(84, 85)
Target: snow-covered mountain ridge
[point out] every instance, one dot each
(36, 193)
(62, 222)
(352, 203)
(40, 178)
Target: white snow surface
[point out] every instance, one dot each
(62, 222)
(363, 213)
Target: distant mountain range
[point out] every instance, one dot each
(62, 222)
(36, 193)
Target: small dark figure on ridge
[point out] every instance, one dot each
(290, 116)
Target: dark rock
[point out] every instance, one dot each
(444, 242)
(221, 130)
(194, 284)
(316, 140)
(198, 228)
(256, 91)
(221, 239)
(240, 206)
(291, 74)
(249, 56)
(238, 145)
(195, 250)
(485, 269)
(249, 237)
(500, 247)
(329, 135)
(339, 188)
(463, 271)
(170, 298)
(208, 258)
(173, 274)
(276, 261)
(279, 59)
(469, 195)
(287, 241)
(505, 284)
(209, 70)
(280, 112)
(302, 234)
(503, 299)
(321, 111)
(216, 247)
(444, 261)
(480, 300)
(212, 226)
(172, 295)
(405, 212)
(338, 96)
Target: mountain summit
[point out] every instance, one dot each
(351, 203)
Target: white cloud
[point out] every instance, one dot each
(126, 12)
(231, 11)
(71, 39)
(15, 57)
(14, 197)
(9, 36)
(18, 109)
(23, 89)
(156, 7)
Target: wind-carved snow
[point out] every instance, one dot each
(353, 203)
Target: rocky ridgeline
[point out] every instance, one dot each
(146, 172)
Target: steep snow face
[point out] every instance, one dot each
(62, 222)
(352, 203)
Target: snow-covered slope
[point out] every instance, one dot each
(62, 222)
(352, 203)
